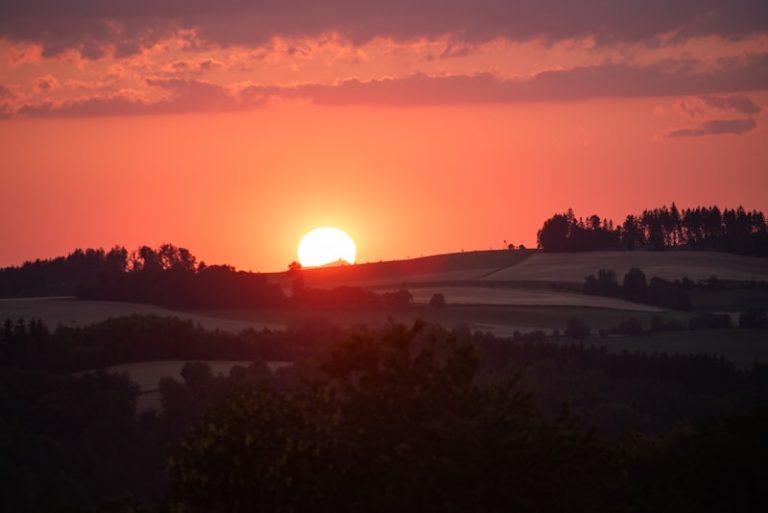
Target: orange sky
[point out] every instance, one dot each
(413, 145)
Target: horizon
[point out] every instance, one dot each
(341, 262)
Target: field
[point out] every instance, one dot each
(70, 312)
(531, 266)
(522, 297)
(695, 265)
(468, 266)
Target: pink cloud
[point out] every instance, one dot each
(667, 78)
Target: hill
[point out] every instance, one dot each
(529, 267)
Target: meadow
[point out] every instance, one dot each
(531, 266)
(71, 312)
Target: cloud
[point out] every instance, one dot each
(740, 104)
(182, 96)
(96, 27)
(717, 127)
(5, 92)
(667, 78)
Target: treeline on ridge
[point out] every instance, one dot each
(171, 276)
(732, 230)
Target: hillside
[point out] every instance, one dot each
(531, 266)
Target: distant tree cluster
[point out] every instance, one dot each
(31, 345)
(167, 276)
(636, 287)
(563, 232)
(170, 276)
(732, 230)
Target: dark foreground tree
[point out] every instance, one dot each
(395, 422)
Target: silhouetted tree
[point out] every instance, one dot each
(437, 301)
(635, 287)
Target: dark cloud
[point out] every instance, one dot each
(182, 96)
(5, 92)
(717, 127)
(740, 104)
(609, 80)
(668, 78)
(90, 25)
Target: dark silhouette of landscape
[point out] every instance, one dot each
(397, 415)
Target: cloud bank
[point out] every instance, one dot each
(717, 127)
(91, 26)
(608, 80)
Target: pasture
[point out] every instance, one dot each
(70, 312)
(670, 265)
(522, 297)
(528, 267)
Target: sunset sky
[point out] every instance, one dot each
(233, 127)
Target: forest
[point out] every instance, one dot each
(172, 277)
(412, 418)
(731, 230)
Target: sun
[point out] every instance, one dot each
(326, 245)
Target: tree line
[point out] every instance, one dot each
(171, 277)
(637, 288)
(167, 276)
(732, 230)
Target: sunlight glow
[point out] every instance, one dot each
(326, 245)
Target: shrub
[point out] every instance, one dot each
(437, 301)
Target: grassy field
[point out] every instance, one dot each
(530, 266)
(573, 267)
(471, 265)
(72, 312)
(522, 297)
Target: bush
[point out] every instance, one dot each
(437, 301)
(604, 284)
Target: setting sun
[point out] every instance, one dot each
(326, 245)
